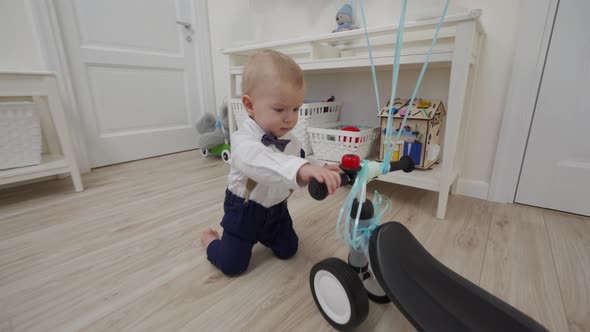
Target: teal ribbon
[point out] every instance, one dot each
(354, 236)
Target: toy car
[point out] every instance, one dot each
(222, 150)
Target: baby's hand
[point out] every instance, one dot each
(334, 168)
(322, 174)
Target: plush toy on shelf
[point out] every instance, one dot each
(344, 19)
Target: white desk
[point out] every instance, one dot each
(60, 159)
(457, 47)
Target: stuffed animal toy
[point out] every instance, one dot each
(344, 19)
(213, 131)
(225, 119)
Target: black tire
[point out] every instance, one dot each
(363, 274)
(352, 285)
(226, 156)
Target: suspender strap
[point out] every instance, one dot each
(251, 184)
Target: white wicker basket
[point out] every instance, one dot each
(310, 114)
(330, 142)
(20, 135)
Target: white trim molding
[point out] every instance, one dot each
(472, 188)
(204, 63)
(532, 43)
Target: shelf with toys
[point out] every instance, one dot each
(420, 139)
(347, 49)
(457, 47)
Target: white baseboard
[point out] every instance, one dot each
(473, 188)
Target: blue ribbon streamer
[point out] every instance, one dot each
(354, 236)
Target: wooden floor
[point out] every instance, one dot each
(125, 255)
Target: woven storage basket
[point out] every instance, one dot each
(330, 142)
(20, 135)
(310, 114)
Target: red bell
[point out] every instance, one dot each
(350, 161)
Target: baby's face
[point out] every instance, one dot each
(275, 107)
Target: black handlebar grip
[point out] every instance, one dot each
(319, 191)
(405, 164)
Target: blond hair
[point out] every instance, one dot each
(267, 64)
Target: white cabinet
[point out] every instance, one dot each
(41, 87)
(457, 48)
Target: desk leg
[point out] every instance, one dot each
(443, 198)
(77, 180)
(457, 90)
(61, 127)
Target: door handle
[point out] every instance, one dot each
(186, 25)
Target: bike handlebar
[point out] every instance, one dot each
(319, 191)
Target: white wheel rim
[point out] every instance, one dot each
(204, 152)
(373, 287)
(332, 297)
(226, 156)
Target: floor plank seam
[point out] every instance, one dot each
(485, 252)
(555, 270)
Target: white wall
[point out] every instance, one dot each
(267, 20)
(20, 48)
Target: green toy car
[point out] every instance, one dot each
(222, 150)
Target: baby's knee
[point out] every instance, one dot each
(233, 271)
(287, 251)
(236, 266)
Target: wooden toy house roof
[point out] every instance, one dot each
(422, 109)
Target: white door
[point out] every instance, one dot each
(556, 169)
(133, 69)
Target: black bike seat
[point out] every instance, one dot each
(430, 295)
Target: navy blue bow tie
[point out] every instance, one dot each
(281, 144)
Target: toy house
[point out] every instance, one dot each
(421, 134)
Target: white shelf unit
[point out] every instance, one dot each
(457, 47)
(42, 88)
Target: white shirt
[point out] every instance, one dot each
(275, 172)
